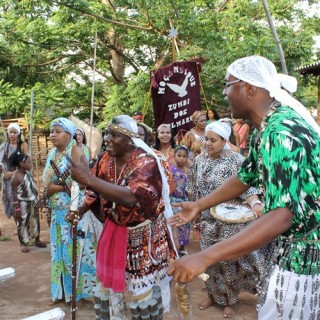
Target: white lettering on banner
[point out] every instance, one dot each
(180, 123)
(179, 89)
(161, 90)
(180, 113)
(178, 105)
(177, 69)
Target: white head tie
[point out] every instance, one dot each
(14, 126)
(127, 126)
(287, 82)
(261, 72)
(220, 128)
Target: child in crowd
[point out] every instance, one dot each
(180, 175)
(25, 192)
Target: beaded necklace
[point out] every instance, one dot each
(117, 178)
(270, 110)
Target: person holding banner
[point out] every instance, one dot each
(57, 179)
(194, 138)
(283, 161)
(129, 185)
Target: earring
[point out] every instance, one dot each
(249, 97)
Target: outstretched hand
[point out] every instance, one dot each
(189, 211)
(187, 268)
(80, 171)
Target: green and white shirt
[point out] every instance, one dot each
(284, 163)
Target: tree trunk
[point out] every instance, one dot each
(117, 61)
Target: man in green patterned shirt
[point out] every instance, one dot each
(284, 162)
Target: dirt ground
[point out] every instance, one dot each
(28, 293)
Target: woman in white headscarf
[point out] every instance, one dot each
(284, 162)
(210, 170)
(13, 143)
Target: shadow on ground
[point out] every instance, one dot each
(28, 293)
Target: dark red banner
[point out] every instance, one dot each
(176, 94)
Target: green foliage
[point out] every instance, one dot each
(47, 46)
(5, 238)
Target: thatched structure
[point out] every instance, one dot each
(314, 70)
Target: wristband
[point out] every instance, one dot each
(254, 202)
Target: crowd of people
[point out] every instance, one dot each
(257, 209)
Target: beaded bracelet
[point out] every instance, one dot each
(254, 202)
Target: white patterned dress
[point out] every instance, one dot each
(229, 277)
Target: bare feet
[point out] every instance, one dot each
(24, 248)
(229, 312)
(40, 244)
(55, 301)
(79, 304)
(206, 304)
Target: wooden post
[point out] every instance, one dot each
(31, 124)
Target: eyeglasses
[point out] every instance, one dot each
(227, 84)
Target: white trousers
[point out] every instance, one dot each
(291, 296)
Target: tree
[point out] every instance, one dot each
(47, 46)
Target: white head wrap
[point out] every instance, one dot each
(220, 128)
(261, 72)
(14, 126)
(129, 128)
(287, 82)
(228, 121)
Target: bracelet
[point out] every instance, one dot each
(17, 209)
(254, 202)
(16, 202)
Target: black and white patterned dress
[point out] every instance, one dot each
(227, 278)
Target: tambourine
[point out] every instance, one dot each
(232, 213)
